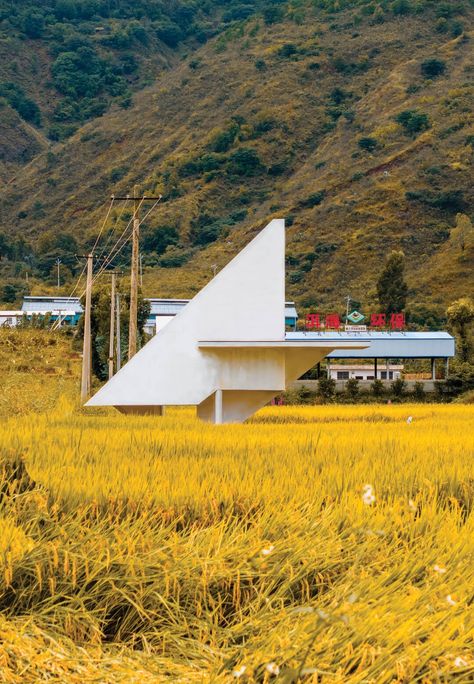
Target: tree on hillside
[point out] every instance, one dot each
(462, 236)
(392, 289)
(460, 317)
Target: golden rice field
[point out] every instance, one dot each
(167, 550)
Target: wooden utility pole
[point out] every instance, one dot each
(112, 324)
(118, 363)
(132, 331)
(87, 347)
(58, 263)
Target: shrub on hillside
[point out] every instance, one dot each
(287, 50)
(367, 144)
(431, 68)
(223, 140)
(313, 200)
(273, 13)
(159, 239)
(16, 98)
(401, 7)
(244, 162)
(204, 230)
(449, 200)
(174, 257)
(412, 121)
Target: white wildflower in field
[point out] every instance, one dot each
(439, 569)
(450, 600)
(273, 669)
(409, 419)
(267, 551)
(238, 673)
(460, 662)
(412, 505)
(368, 496)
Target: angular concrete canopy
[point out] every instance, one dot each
(225, 352)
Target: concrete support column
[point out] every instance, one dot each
(433, 369)
(328, 368)
(387, 367)
(218, 407)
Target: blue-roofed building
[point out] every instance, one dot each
(388, 346)
(67, 309)
(163, 310)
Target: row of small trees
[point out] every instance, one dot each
(326, 391)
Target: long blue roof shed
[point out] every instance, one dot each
(387, 345)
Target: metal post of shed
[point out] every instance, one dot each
(433, 369)
(218, 407)
(375, 368)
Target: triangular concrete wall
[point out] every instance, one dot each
(244, 301)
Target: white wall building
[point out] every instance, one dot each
(225, 351)
(364, 372)
(10, 319)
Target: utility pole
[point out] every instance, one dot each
(118, 363)
(58, 262)
(112, 323)
(141, 269)
(132, 328)
(134, 272)
(348, 304)
(87, 348)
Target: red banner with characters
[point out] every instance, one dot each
(332, 321)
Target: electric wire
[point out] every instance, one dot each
(68, 299)
(117, 248)
(112, 230)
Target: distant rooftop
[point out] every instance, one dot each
(159, 306)
(388, 345)
(49, 304)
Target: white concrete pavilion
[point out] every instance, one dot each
(212, 355)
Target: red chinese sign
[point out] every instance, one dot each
(332, 321)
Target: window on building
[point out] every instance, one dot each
(343, 375)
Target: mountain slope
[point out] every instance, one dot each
(354, 128)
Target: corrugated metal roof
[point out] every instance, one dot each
(390, 345)
(171, 307)
(48, 304)
(158, 307)
(166, 307)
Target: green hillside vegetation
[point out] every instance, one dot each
(351, 119)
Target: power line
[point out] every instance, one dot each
(117, 221)
(112, 199)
